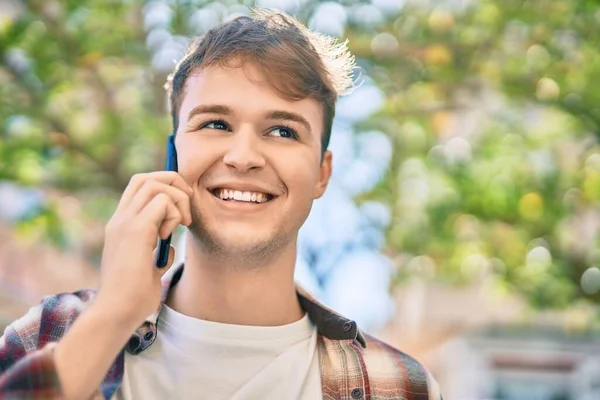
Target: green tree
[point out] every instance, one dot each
(492, 108)
(494, 112)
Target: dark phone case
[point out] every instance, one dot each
(170, 165)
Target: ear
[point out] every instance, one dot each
(324, 174)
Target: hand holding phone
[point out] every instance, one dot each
(153, 205)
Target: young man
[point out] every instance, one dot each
(252, 105)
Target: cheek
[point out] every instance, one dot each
(189, 167)
(301, 179)
(192, 161)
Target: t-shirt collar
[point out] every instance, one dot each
(329, 323)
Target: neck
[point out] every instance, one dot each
(214, 288)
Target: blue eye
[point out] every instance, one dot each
(221, 125)
(284, 132)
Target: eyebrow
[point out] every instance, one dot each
(209, 109)
(290, 116)
(225, 110)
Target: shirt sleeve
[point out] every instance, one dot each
(27, 372)
(33, 376)
(27, 364)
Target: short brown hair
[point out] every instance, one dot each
(300, 63)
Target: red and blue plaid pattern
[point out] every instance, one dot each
(353, 365)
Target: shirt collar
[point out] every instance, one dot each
(329, 323)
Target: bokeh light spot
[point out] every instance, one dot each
(590, 281)
(547, 90)
(531, 206)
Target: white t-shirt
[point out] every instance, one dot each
(196, 359)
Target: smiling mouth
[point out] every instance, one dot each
(241, 196)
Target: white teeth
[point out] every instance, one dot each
(225, 194)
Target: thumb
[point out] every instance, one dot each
(170, 260)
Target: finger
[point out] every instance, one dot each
(162, 213)
(151, 188)
(137, 181)
(168, 227)
(171, 258)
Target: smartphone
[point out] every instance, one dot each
(164, 245)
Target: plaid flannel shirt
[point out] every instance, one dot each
(353, 365)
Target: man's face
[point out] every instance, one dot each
(253, 158)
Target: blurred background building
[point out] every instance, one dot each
(462, 218)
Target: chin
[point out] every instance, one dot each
(240, 243)
(237, 241)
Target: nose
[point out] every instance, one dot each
(243, 153)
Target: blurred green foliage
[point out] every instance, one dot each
(493, 108)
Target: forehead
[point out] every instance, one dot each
(246, 90)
